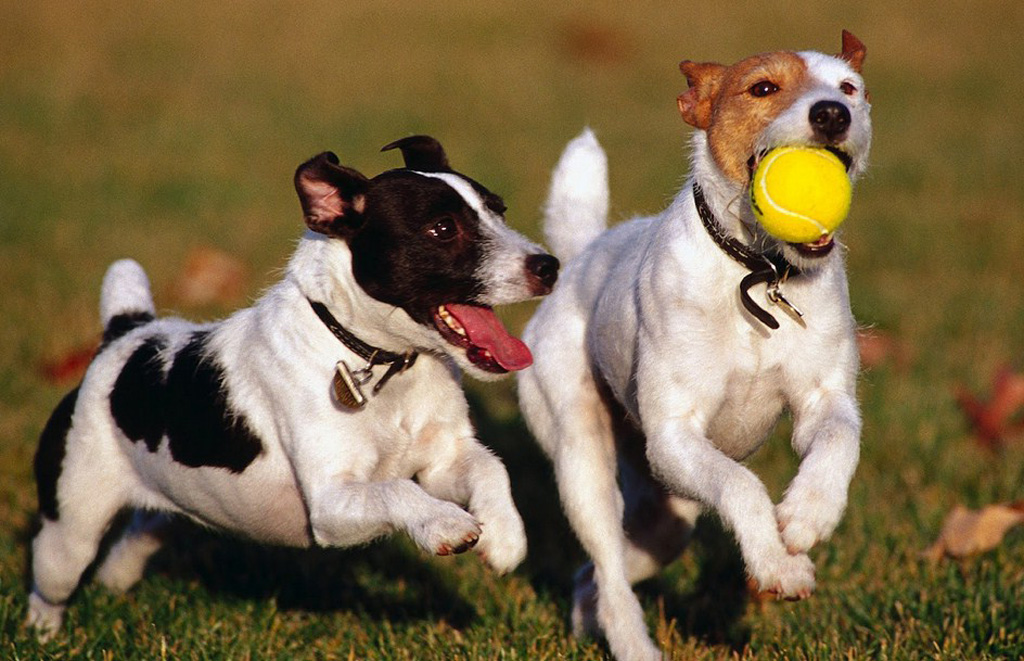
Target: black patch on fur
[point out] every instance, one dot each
(203, 431)
(187, 403)
(137, 400)
(50, 455)
(121, 324)
(397, 261)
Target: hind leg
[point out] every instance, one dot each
(126, 561)
(61, 552)
(658, 527)
(573, 426)
(658, 535)
(90, 493)
(594, 506)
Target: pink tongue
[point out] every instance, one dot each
(485, 331)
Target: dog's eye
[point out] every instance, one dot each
(763, 88)
(847, 88)
(445, 229)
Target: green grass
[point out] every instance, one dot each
(146, 129)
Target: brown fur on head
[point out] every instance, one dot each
(730, 103)
(853, 51)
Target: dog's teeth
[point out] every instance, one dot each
(450, 321)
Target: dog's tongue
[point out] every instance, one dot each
(485, 331)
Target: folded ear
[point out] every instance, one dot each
(854, 51)
(333, 196)
(695, 104)
(421, 152)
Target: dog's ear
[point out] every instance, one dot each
(421, 152)
(853, 51)
(333, 196)
(695, 104)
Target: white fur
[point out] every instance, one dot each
(408, 462)
(578, 197)
(650, 310)
(125, 289)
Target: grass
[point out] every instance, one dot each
(146, 129)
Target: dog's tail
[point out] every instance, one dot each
(125, 298)
(577, 208)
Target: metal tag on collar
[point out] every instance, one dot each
(348, 384)
(775, 296)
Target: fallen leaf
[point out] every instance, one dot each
(209, 276)
(70, 366)
(968, 532)
(994, 420)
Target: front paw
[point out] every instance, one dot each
(447, 530)
(805, 520)
(786, 576)
(503, 543)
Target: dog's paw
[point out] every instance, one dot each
(805, 521)
(447, 530)
(787, 577)
(503, 541)
(43, 617)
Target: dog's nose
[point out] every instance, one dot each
(830, 119)
(544, 268)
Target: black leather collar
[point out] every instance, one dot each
(770, 268)
(396, 362)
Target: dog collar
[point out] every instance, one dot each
(348, 382)
(770, 268)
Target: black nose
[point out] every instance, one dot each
(545, 269)
(829, 119)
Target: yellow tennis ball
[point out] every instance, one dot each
(800, 194)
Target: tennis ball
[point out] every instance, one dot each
(800, 194)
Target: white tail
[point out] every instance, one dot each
(577, 208)
(125, 290)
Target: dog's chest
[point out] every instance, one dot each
(403, 445)
(749, 409)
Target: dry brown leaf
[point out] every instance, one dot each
(210, 276)
(995, 419)
(968, 532)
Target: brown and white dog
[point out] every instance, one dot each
(658, 366)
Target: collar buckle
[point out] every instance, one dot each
(348, 382)
(763, 267)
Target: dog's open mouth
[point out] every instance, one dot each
(819, 248)
(477, 330)
(823, 245)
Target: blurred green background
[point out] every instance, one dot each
(150, 129)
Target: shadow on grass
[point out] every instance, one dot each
(712, 609)
(387, 580)
(384, 580)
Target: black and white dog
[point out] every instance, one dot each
(329, 413)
